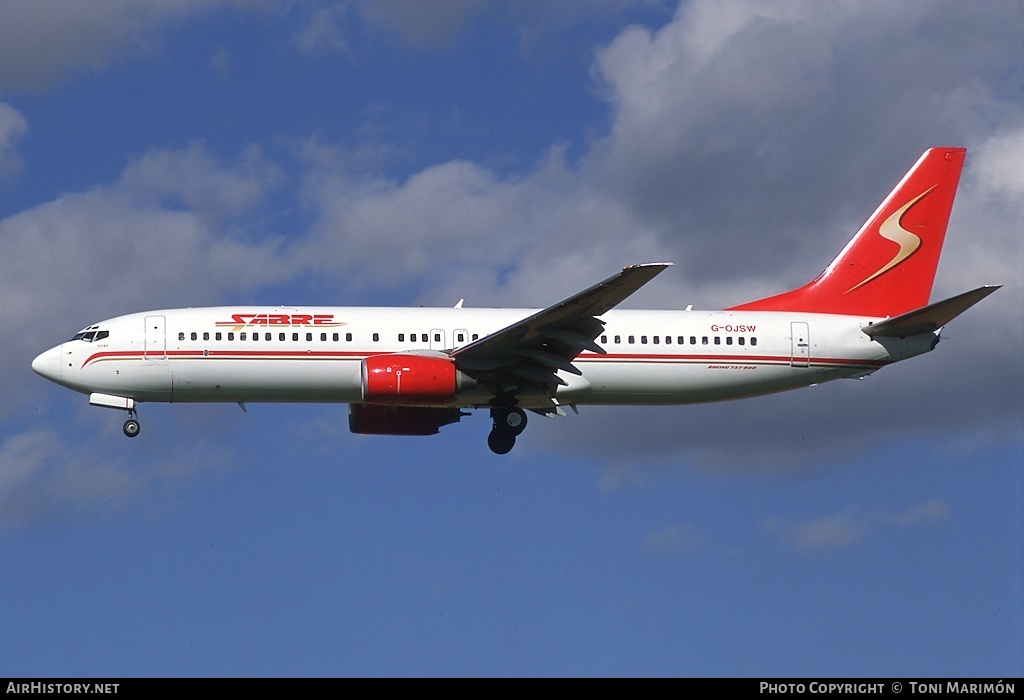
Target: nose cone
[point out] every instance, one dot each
(48, 364)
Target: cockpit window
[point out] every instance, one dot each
(90, 334)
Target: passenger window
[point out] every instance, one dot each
(704, 340)
(217, 336)
(656, 340)
(681, 340)
(309, 337)
(618, 339)
(476, 336)
(295, 337)
(334, 337)
(241, 336)
(231, 336)
(423, 338)
(348, 337)
(668, 340)
(255, 336)
(206, 335)
(281, 337)
(604, 339)
(753, 341)
(376, 337)
(323, 337)
(718, 340)
(693, 340)
(462, 338)
(643, 340)
(741, 340)
(181, 336)
(631, 340)
(401, 337)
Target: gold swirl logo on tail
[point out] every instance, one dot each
(892, 230)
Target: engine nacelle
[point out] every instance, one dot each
(411, 379)
(367, 419)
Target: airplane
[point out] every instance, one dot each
(412, 371)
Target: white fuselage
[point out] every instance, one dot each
(314, 354)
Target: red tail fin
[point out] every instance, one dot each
(889, 266)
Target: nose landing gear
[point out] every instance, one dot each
(121, 403)
(507, 423)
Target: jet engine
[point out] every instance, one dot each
(412, 379)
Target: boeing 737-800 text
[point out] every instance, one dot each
(410, 371)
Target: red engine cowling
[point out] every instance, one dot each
(409, 379)
(369, 419)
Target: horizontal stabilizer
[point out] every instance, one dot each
(929, 318)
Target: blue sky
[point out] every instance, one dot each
(510, 153)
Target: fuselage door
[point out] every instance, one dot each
(801, 339)
(156, 338)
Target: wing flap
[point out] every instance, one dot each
(552, 360)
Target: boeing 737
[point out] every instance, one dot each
(411, 371)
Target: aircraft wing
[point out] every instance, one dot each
(532, 350)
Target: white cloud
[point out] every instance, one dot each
(832, 532)
(42, 477)
(42, 39)
(998, 165)
(932, 511)
(441, 221)
(323, 29)
(165, 234)
(192, 178)
(21, 458)
(736, 112)
(220, 63)
(13, 126)
(438, 23)
(432, 23)
(851, 526)
(673, 538)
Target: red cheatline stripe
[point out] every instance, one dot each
(624, 358)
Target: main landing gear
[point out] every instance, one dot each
(507, 423)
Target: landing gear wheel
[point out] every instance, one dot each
(501, 441)
(507, 422)
(131, 427)
(515, 421)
